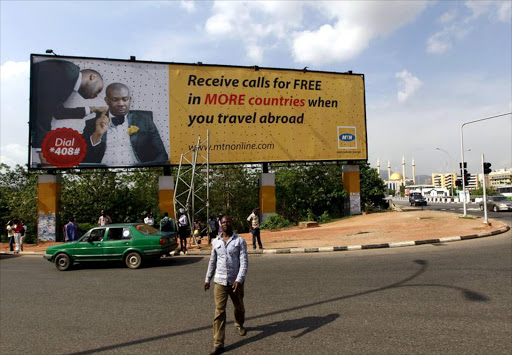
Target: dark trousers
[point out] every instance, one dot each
(11, 243)
(184, 233)
(256, 235)
(211, 236)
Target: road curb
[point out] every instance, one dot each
(340, 248)
(368, 246)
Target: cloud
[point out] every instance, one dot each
(188, 5)
(345, 29)
(14, 70)
(356, 24)
(409, 85)
(14, 99)
(12, 154)
(448, 16)
(457, 27)
(255, 23)
(505, 11)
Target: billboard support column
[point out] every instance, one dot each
(351, 184)
(267, 195)
(48, 205)
(166, 195)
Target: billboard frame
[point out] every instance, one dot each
(198, 64)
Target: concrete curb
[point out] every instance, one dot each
(341, 248)
(367, 246)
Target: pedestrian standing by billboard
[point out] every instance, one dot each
(10, 233)
(229, 262)
(104, 219)
(18, 230)
(254, 221)
(183, 230)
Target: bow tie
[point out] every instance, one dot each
(117, 120)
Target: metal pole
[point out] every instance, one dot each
(462, 169)
(208, 184)
(486, 221)
(462, 149)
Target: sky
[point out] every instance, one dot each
(429, 66)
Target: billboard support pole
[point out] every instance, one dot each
(190, 184)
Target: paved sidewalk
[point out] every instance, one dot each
(377, 230)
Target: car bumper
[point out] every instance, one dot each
(48, 256)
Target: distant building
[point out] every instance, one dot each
(395, 181)
(446, 181)
(500, 177)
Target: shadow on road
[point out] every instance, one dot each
(307, 323)
(163, 262)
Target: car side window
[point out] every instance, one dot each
(97, 235)
(115, 234)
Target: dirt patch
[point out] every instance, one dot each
(359, 230)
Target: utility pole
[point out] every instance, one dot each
(462, 151)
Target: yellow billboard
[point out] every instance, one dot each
(105, 113)
(266, 115)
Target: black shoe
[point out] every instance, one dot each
(242, 331)
(217, 350)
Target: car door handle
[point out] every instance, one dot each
(126, 243)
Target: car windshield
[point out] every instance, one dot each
(147, 230)
(499, 198)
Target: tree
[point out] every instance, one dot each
(233, 191)
(480, 192)
(373, 188)
(18, 198)
(309, 190)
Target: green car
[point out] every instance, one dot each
(128, 242)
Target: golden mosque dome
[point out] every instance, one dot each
(396, 176)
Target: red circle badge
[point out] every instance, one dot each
(64, 147)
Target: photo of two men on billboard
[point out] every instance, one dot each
(115, 136)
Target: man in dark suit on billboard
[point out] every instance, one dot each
(53, 83)
(122, 137)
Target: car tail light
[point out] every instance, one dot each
(162, 241)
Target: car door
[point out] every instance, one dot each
(117, 240)
(90, 246)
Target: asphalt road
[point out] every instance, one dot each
(472, 209)
(452, 298)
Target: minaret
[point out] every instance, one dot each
(389, 170)
(378, 167)
(413, 172)
(403, 170)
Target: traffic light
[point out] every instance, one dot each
(466, 177)
(458, 183)
(487, 168)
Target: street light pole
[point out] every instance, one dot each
(462, 152)
(446, 169)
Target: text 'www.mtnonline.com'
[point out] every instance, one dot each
(238, 146)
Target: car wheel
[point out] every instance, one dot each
(495, 208)
(63, 262)
(133, 260)
(481, 207)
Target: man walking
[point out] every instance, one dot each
(254, 221)
(229, 262)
